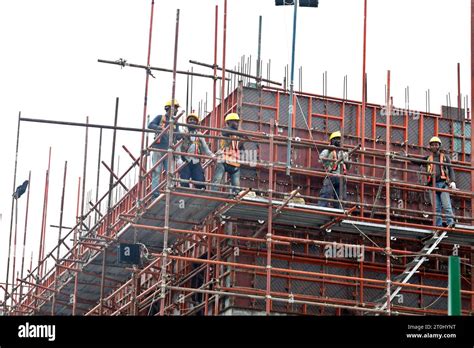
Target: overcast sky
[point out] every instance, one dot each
(49, 69)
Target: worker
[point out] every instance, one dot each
(158, 124)
(334, 162)
(439, 176)
(229, 155)
(193, 144)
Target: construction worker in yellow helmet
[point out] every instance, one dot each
(334, 161)
(440, 175)
(193, 144)
(158, 123)
(229, 154)
(171, 102)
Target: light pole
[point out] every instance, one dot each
(302, 3)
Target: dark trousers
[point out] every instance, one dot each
(331, 185)
(194, 172)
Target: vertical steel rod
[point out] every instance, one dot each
(169, 173)
(259, 62)
(191, 91)
(14, 253)
(86, 144)
(43, 224)
(141, 177)
(268, 298)
(98, 177)
(214, 120)
(459, 91)
(75, 246)
(59, 239)
(11, 216)
(290, 103)
(224, 38)
(387, 193)
(364, 97)
(472, 131)
(109, 207)
(24, 234)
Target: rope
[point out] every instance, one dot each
(436, 300)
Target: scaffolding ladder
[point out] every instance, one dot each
(412, 267)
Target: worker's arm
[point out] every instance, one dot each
(345, 158)
(451, 174)
(178, 134)
(180, 158)
(243, 138)
(324, 155)
(155, 123)
(204, 147)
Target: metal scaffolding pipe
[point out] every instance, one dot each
(142, 161)
(11, 215)
(97, 215)
(24, 234)
(43, 222)
(169, 172)
(388, 250)
(224, 38)
(308, 273)
(110, 170)
(90, 125)
(59, 238)
(14, 251)
(268, 298)
(236, 72)
(109, 206)
(75, 246)
(275, 298)
(84, 173)
(124, 63)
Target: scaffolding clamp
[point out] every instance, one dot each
(148, 71)
(327, 226)
(122, 62)
(291, 298)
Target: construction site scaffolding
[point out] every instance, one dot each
(221, 253)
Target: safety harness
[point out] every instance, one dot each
(430, 168)
(231, 151)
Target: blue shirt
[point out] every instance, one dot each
(157, 125)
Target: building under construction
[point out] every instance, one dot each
(271, 249)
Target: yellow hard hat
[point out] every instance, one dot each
(192, 115)
(335, 135)
(232, 117)
(169, 102)
(435, 140)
